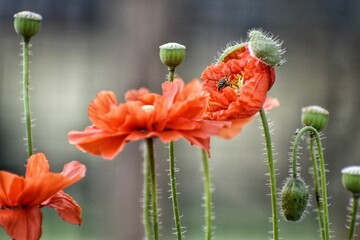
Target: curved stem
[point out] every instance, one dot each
(151, 159)
(26, 97)
(174, 191)
(355, 206)
(316, 186)
(322, 173)
(207, 190)
(275, 221)
(147, 196)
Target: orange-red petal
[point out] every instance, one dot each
(236, 126)
(22, 224)
(11, 186)
(66, 206)
(97, 142)
(135, 95)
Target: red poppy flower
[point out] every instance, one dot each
(175, 114)
(21, 198)
(237, 87)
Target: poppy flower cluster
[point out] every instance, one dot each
(177, 113)
(21, 198)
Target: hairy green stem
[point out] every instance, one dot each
(27, 112)
(315, 134)
(174, 191)
(207, 190)
(355, 206)
(316, 186)
(147, 196)
(275, 221)
(151, 160)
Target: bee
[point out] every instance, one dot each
(224, 82)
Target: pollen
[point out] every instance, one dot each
(237, 83)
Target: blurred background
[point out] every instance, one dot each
(86, 46)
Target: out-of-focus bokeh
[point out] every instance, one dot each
(86, 46)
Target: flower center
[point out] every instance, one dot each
(148, 108)
(236, 83)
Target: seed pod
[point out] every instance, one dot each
(294, 199)
(351, 179)
(172, 54)
(27, 24)
(315, 116)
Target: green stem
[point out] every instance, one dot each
(207, 190)
(171, 74)
(151, 159)
(355, 206)
(147, 196)
(316, 186)
(174, 191)
(275, 221)
(315, 133)
(26, 84)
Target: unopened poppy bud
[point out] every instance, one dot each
(351, 178)
(266, 48)
(294, 199)
(27, 24)
(315, 116)
(172, 54)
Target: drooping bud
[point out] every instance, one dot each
(172, 54)
(315, 116)
(351, 179)
(27, 24)
(294, 199)
(266, 48)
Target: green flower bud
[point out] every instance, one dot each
(351, 178)
(294, 199)
(266, 48)
(315, 116)
(27, 24)
(172, 54)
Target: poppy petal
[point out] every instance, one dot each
(11, 186)
(22, 224)
(74, 171)
(100, 109)
(135, 95)
(236, 126)
(271, 103)
(66, 206)
(37, 165)
(38, 189)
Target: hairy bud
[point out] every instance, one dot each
(294, 199)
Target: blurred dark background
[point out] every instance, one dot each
(86, 46)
